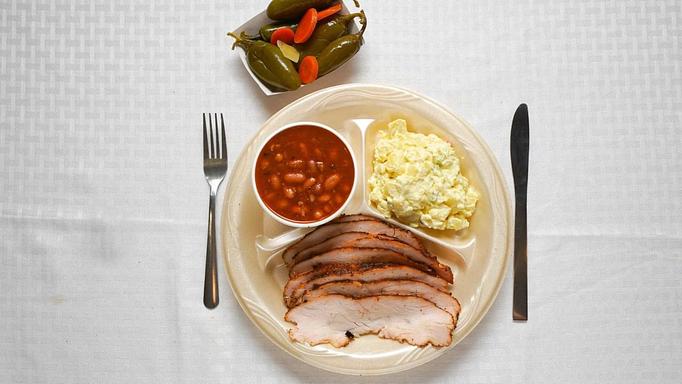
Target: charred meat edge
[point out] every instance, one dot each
(353, 236)
(296, 286)
(410, 237)
(382, 255)
(320, 291)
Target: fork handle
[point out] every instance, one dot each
(211, 275)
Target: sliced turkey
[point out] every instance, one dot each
(298, 285)
(361, 240)
(336, 319)
(331, 229)
(358, 289)
(352, 255)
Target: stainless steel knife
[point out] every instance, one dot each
(519, 161)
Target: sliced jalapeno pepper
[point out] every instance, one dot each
(268, 63)
(293, 9)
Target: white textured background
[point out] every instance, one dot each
(103, 201)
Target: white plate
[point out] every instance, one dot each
(252, 241)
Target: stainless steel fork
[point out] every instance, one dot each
(215, 168)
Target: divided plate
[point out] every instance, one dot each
(253, 242)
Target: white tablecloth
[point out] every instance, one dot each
(103, 200)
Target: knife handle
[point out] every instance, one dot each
(520, 304)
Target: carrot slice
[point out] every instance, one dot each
(306, 26)
(285, 34)
(307, 69)
(323, 14)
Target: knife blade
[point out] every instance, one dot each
(519, 143)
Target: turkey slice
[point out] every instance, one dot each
(360, 240)
(357, 289)
(355, 217)
(337, 319)
(353, 255)
(298, 285)
(331, 229)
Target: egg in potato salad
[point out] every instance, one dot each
(416, 178)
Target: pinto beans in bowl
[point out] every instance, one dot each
(304, 174)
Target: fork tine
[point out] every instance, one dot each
(216, 143)
(205, 139)
(211, 139)
(216, 138)
(223, 154)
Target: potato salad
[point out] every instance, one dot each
(416, 178)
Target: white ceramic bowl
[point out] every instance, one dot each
(284, 220)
